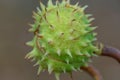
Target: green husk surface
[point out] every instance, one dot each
(63, 37)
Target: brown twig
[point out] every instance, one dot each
(111, 52)
(93, 72)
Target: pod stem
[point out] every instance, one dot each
(111, 52)
(93, 72)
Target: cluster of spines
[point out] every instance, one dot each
(37, 53)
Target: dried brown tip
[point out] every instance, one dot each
(111, 52)
(93, 72)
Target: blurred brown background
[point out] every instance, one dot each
(14, 18)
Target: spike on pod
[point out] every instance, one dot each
(44, 56)
(83, 8)
(57, 3)
(36, 16)
(87, 54)
(30, 43)
(39, 70)
(67, 61)
(64, 70)
(31, 54)
(73, 68)
(50, 3)
(37, 63)
(76, 5)
(88, 15)
(91, 19)
(78, 52)
(57, 76)
(42, 6)
(92, 28)
(58, 52)
(69, 53)
(38, 10)
(50, 68)
(78, 69)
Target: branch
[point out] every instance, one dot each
(111, 52)
(93, 72)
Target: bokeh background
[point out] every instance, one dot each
(14, 18)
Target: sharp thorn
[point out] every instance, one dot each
(37, 63)
(42, 5)
(91, 19)
(69, 53)
(50, 68)
(39, 70)
(67, 61)
(76, 5)
(83, 8)
(58, 52)
(50, 3)
(57, 75)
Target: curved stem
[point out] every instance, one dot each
(111, 52)
(93, 72)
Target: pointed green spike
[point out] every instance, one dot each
(30, 43)
(63, 2)
(36, 16)
(78, 52)
(88, 15)
(94, 34)
(73, 68)
(37, 63)
(94, 39)
(31, 54)
(32, 29)
(33, 59)
(69, 53)
(34, 13)
(50, 3)
(83, 43)
(39, 70)
(83, 8)
(67, 61)
(58, 52)
(87, 25)
(28, 56)
(42, 6)
(91, 29)
(31, 25)
(78, 69)
(76, 5)
(39, 11)
(57, 76)
(100, 46)
(91, 19)
(44, 56)
(50, 68)
(57, 3)
(64, 70)
(87, 54)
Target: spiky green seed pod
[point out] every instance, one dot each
(64, 38)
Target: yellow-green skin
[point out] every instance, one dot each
(64, 38)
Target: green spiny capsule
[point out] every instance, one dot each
(64, 38)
